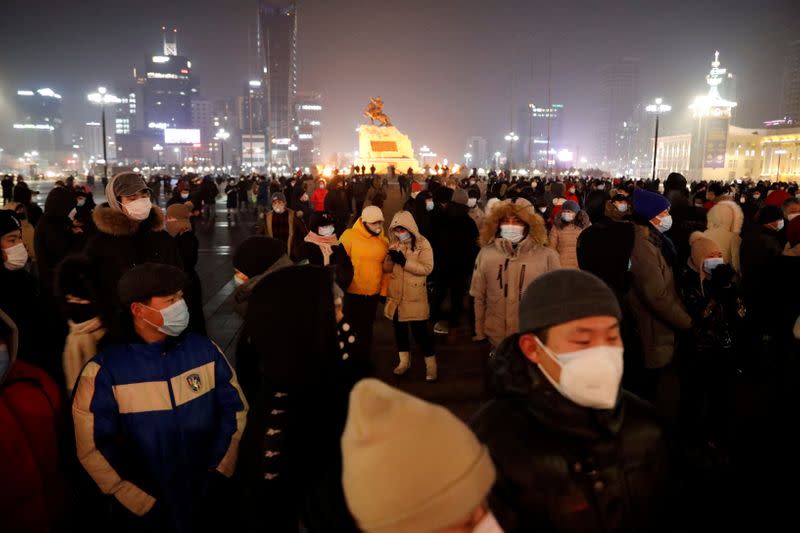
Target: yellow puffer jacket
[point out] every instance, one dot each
(367, 253)
(408, 294)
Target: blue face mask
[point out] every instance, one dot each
(176, 318)
(81, 202)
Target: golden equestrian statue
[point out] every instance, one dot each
(374, 112)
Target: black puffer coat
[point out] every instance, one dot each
(53, 238)
(119, 245)
(563, 467)
(339, 262)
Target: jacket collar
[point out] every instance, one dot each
(117, 224)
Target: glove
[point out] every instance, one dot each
(398, 257)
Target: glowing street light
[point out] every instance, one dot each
(658, 108)
(779, 152)
(222, 136)
(157, 148)
(468, 157)
(497, 159)
(511, 137)
(103, 98)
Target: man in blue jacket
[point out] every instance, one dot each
(158, 419)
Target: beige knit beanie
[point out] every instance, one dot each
(408, 465)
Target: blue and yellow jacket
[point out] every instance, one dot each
(152, 420)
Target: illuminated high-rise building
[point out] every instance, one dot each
(168, 88)
(790, 103)
(277, 46)
(308, 125)
(38, 121)
(619, 95)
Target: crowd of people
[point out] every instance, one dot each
(640, 341)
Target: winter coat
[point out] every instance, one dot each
(408, 293)
(188, 249)
(155, 424)
(654, 300)
(339, 261)
(21, 301)
(232, 196)
(725, 221)
(53, 238)
(564, 238)
(376, 191)
(454, 239)
(120, 244)
(297, 231)
(503, 271)
(367, 253)
(564, 467)
(686, 219)
(336, 203)
(318, 199)
(360, 186)
(31, 478)
(477, 215)
(759, 251)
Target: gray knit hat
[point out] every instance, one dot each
(564, 295)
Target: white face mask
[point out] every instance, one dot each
(589, 377)
(304, 198)
(176, 318)
(543, 209)
(792, 216)
(429, 206)
(780, 225)
(138, 209)
(666, 224)
(567, 216)
(711, 263)
(17, 257)
(622, 207)
(513, 233)
(185, 195)
(472, 202)
(402, 236)
(488, 524)
(278, 208)
(324, 231)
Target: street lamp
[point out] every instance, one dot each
(780, 152)
(497, 159)
(511, 137)
(468, 157)
(222, 136)
(158, 149)
(658, 108)
(102, 98)
(177, 151)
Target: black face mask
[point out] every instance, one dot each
(80, 312)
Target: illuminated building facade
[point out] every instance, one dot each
(168, 88)
(619, 95)
(39, 121)
(790, 102)
(308, 127)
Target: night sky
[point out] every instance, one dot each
(446, 69)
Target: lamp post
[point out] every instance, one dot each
(511, 137)
(658, 108)
(222, 136)
(780, 152)
(158, 149)
(102, 97)
(177, 151)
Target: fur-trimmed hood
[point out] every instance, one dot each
(726, 215)
(581, 220)
(523, 210)
(117, 224)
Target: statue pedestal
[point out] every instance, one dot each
(385, 146)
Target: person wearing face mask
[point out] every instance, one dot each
(367, 247)
(565, 231)
(514, 253)
(711, 296)
(179, 227)
(232, 198)
(32, 486)
(283, 224)
(338, 205)
(687, 217)
(158, 413)
(28, 231)
(409, 262)
(475, 212)
(654, 300)
(411, 466)
(130, 231)
(318, 196)
(321, 247)
(725, 222)
(54, 238)
(559, 417)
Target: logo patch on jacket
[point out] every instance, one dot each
(194, 382)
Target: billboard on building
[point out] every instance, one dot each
(181, 136)
(716, 143)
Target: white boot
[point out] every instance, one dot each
(405, 362)
(431, 370)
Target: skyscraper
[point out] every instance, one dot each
(168, 88)
(39, 121)
(307, 112)
(790, 104)
(277, 43)
(253, 111)
(619, 94)
(477, 147)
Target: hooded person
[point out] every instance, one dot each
(686, 217)
(337, 204)
(411, 466)
(725, 221)
(179, 227)
(654, 299)
(454, 238)
(53, 237)
(559, 414)
(475, 212)
(290, 458)
(32, 495)
(367, 247)
(253, 259)
(322, 248)
(565, 232)
(514, 253)
(130, 231)
(408, 263)
(283, 224)
(158, 413)
(761, 247)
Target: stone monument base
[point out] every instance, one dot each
(384, 147)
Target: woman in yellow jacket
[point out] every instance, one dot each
(366, 245)
(409, 262)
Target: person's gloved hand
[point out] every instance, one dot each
(398, 257)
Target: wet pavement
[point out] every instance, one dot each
(461, 362)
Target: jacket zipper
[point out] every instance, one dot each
(521, 282)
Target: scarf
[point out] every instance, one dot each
(325, 245)
(80, 346)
